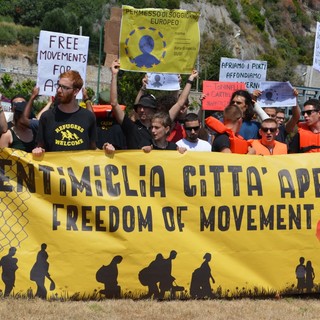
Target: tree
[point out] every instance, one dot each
(56, 21)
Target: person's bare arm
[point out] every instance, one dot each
(291, 123)
(86, 100)
(117, 111)
(174, 111)
(6, 139)
(45, 108)
(3, 120)
(142, 90)
(25, 118)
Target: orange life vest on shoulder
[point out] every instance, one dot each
(279, 148)
(309, 141)
(237, 143)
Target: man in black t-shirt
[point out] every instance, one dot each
(67, 126)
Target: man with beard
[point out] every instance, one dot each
(67, 126)
(192, 142)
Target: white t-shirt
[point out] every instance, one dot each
(200, 145)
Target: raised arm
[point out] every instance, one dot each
(142, 90)
(25, 118)
(45, 108)
(3, 120)
(117, 111)
(291, 123)
(86, 99)
(256, 107)
(174, 111)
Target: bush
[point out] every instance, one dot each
(26, 35)
(8, 34)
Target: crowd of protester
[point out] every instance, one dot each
(162, 123)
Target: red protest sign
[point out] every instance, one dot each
(218, 93)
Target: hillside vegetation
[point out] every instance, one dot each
(281, 32)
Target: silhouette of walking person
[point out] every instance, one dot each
(309, 276)
(150, 276)
(40, 271)
(166, 278)
(108, 275)
(9, 268)
(146, 45)
(200, 286)
(301, 275)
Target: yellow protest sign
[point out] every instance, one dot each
(83, 224)
(159, 40)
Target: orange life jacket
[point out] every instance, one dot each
(309, 141)
(237, 143)
(279, 148)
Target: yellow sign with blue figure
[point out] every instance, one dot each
(159, 40)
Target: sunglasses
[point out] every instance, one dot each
(190, 128)
(272, 130)
(309, 112)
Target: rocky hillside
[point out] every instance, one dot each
(281, 32)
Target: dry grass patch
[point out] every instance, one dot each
(283, 309)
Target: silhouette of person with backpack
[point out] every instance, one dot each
(166, 278)
(108, 275)
(150, 276)
(40, 271)
(9, 268)
(200, 286)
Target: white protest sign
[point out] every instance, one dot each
(277, 94)
(316, 51)
(57, 53)
(163, 81)
(251, 72)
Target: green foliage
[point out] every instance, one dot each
(234, 13)
(6, 19)
(6, 8)
(27, 34)
(6, 80)
(8, 34)
(9, 91)
(210, 59)
(56, 21)
(252, 11)
(129, 84)
(271, 60)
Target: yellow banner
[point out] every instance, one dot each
(197, 224)
(159, 40)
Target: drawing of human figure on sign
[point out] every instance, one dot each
(146, 59)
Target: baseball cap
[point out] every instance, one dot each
(148, 101)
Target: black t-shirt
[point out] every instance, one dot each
(170, 146)
(137, 135)
(282, 135)
(60, 131)
(110, 131)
